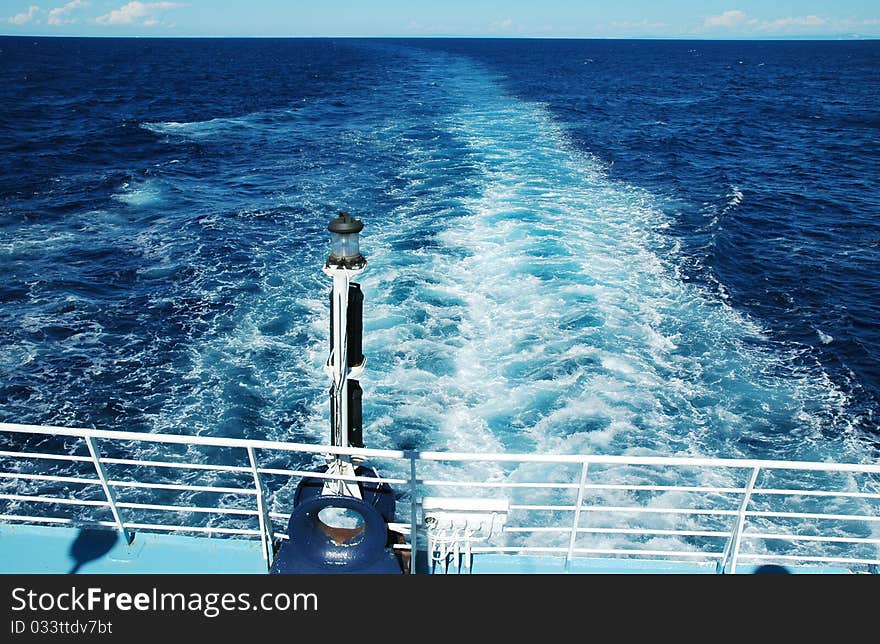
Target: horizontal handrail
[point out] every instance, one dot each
(841, 493)
(49, 477)
(651, 531)
(184, 528)
(601, 551)
(52, 499)
(609, 459)
(183, 439)
(332, 477)
(60, 520)
(816, 559)
(185, 508)
(613, 508)
(814, 515)
(665, 488)
(180, 486)
(807, 537)
(44, 456)
(173, 464)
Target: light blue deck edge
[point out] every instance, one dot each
(53, 549)
(492, 564)
(35, 549)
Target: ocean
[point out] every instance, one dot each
(574, 246)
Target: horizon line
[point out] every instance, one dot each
(838, 38)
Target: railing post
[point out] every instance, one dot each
(262, 514)
(108, 492)
(731, 553)
(413, 514)
(577, 515)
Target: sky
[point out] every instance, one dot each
(723, 19)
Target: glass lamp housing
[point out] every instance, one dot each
(345, 242)
(344, 246)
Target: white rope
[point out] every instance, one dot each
(447, 540)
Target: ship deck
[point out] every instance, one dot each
(53, 549)
(34, 549)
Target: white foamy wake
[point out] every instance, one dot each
(549, 316)
(555, 318)
(543, 313)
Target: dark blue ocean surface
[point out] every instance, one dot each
(661, 247)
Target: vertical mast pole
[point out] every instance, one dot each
(339, 358)
(344, 262)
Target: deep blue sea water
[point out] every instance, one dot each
(661, 247)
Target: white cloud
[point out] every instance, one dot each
(136, 13)
(790, 24)
(732, 18)
(59, 15)
(25, 17)
(791, 21)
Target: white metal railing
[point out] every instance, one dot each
(716, 512)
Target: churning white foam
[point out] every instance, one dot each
(137, 194)
(551, 316)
